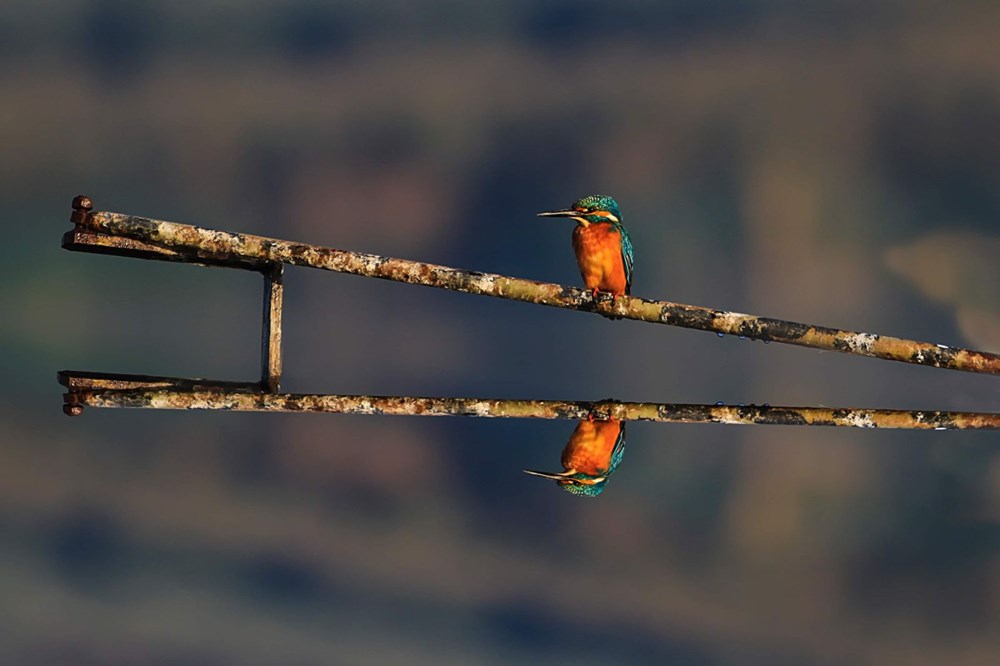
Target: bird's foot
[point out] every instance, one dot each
(607, 297)
(602, 410)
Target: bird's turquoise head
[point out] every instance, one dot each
(593, 209)
(575, 482)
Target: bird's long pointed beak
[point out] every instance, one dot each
(551, 475)
(559, 213)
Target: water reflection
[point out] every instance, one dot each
(590, 457)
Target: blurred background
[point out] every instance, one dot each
(828, 162)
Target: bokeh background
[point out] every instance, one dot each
(830, 162)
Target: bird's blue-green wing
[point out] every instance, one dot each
(619, 451)
(627, 258)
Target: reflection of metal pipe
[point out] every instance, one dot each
(118, 233)
(88, 391)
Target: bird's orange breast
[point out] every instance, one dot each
(598, 250)
(590, 447)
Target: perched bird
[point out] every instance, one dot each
(603, 248)
(590, 457)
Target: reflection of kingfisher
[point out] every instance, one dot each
(603, 248)
(590, 457)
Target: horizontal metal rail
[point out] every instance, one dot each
(255, 401)
(131, 235)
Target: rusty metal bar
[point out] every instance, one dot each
(271, 339)
(201, 245)
(245, 401)
(79, 239)
(77, 381)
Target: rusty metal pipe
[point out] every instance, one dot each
(244, 401)
(199, 245)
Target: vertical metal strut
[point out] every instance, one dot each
(270, 353)
(82, 239)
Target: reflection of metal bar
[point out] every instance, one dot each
(78, 382)
(99, 381)
(200, 245)
(245, 401)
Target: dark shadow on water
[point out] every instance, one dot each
(935, 544)
(88, 549)
(280, 578)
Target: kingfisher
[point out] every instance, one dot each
(603, 248)
(590, 457)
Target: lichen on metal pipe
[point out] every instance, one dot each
(202, 244)
(244, 401)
